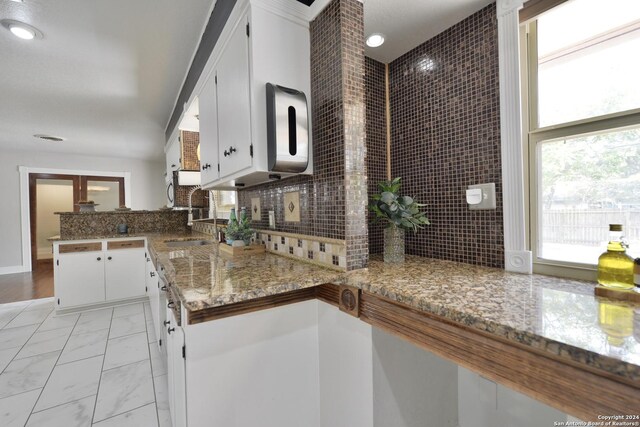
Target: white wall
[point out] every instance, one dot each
(346, 383)
(483, 403)
(147, 188)
(412, 387)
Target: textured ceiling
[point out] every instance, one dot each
(409, 23)
(105, 75)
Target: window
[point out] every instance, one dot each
(225, 200)
(583, 132)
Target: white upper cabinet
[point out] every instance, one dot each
(208, 132)
(259, 45)
(234, 109)
(173, 157)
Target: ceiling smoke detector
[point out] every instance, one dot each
(49, 137)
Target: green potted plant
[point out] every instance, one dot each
(238, 231)
(401, 213)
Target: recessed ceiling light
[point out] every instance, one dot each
(375, 40)
(49, 137)
(21, 30)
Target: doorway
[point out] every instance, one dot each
(50, 193)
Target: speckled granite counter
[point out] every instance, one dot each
(205, 279)
(561, 317)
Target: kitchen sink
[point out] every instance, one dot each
(177, 243)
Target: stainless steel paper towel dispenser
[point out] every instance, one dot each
(287, 129)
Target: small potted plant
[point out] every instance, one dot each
(239, 232)
(401, 213)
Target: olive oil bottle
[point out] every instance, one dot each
(615, 267)
(616, 320)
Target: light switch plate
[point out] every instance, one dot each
(488, 196)
(292, 206)
(255, 209)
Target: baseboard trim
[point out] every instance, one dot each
(12, 269)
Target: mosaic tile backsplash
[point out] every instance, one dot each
(376, 143)
(87, 225)
(189, 142)
(337, 97)
(446, 136)
(317, 250)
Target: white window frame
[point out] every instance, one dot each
(533, 135)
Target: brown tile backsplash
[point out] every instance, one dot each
(337, 96)
(355, 149)
(87, 225)
(200, 198)
(189, 142)
(376, 143)
(446, 136)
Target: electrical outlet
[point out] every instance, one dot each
(488, 196)
(272, 219)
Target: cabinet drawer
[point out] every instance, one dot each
(125, 244)
(79, 247)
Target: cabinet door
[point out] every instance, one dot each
(125, 273)
(173, 157)
(153, 290)
(79, 279)
(176, 372)
(207, 104)
(234, 105)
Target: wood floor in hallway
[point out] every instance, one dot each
(27, 286)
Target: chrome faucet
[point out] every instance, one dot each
(190, 216)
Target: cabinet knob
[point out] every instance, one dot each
(206, 166)
(152, 274)
(169, 330)
(164, 288)
(230, 151)
(99, 259)
(166, 322)
(171, 304)
(109, 258)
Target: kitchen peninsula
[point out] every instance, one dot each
(536, 334)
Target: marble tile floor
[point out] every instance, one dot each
(95, 368)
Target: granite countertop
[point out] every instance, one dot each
(556, 316)
(205, 279)
(116, 212)
(102, 236)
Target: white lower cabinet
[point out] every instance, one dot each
(92, 272)
(175, 346)
(79, 278)
(310, 364)
(305, 364)
(125, 273)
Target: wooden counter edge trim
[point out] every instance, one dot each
(325, 292)
(67, 248)
(576, 391)
(125, 244)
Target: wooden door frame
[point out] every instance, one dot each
(25, 230)
(33, 206)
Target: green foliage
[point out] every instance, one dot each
(587, 170)
(402, 211)
(239, 229)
